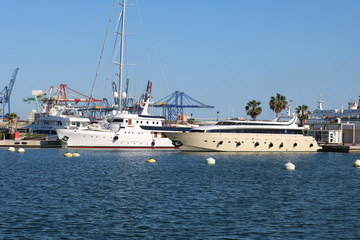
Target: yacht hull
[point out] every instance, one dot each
(235, 142)
(127, 139)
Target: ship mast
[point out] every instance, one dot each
(121, 64)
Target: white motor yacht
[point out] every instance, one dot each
(63, 117)
(246, 136)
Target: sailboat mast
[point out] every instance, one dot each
(122, 40)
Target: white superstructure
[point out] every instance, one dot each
(336, 126)
(351, 114)
(61, 118)
(246, 136)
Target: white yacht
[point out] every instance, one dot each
(121, 130)
(62, 117)
(246, 136)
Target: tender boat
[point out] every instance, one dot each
(246, 136)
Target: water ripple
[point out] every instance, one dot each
(118, 195)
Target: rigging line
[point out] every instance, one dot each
(115, 49)
(163, 76)
(101, 54)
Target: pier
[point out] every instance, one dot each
(350, 148)
(30, 143)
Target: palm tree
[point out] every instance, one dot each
(302, 113)
(253, 109)
(12, 121)
(278, 103)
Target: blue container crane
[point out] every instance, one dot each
(173, 105)
(5, 95)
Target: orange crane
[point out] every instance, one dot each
(61, 95)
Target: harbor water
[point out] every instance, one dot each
(119, 195)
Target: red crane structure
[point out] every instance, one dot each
(61, 95)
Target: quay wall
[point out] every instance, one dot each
(30, 143)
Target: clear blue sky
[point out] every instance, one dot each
(222, 53)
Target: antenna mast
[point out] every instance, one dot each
(122, 40)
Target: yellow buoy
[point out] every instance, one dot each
(210, 161)
(289, 166)
(11, 149)
(76, 154)
(21, 150)
(151, 160)
(357, 163)
(68, 154)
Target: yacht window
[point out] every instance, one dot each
(118, 120)
(258, 131)
(195, 130)
(226, 123)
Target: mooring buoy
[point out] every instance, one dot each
(210, 161)
(357, 163)
(68, 154)
(21, 150)
(11, 149)
(76, 154)
(289, 166)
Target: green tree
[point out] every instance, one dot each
(253, 109)
(12, 121)
(278, 103)
(303, 113)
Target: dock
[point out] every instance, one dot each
(30, 143)
(350, 148)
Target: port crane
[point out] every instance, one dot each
(63, 95)
(173, 105)
(5, 95)
(41, 98)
